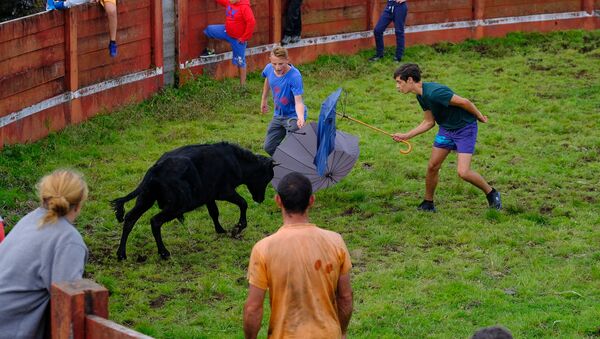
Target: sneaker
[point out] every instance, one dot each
(295, 39)
(50, 5)
(207, 52)
(494, 200)
(396, 59)
(286, 40)
(427, 206)
(112, 49)
(376, 58)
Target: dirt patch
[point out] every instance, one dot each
(546, 209)
(537, 67)
(582, 74)
(349, 211)
(441, 47)
(159, 302)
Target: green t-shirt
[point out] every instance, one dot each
(436, 98)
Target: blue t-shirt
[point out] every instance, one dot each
(436, 98)
(284, 89)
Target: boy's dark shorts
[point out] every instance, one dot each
(461, 140)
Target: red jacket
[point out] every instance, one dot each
(239, 21)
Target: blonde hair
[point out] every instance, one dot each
(60, 192)
(279, 52)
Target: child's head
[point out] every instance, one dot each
(279, 60)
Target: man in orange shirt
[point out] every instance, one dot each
(306, 270)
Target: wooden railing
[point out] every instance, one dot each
(79, 309)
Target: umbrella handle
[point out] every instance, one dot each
(408, 149)
(380, 131)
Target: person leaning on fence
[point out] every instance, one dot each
(395, 10)
(457, 119)
(110, 7)
(289, 112)
(237, 30)
(42, 248)
(306, 270)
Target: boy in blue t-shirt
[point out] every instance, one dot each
(457, 119)
(285, 82)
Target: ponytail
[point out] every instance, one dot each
(60, 192)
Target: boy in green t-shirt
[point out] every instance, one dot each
(457, 119)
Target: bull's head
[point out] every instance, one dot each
(257, 185)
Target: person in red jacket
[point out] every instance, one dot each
(237, 30)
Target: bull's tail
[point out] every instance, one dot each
(119, 204)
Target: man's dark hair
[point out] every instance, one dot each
(295, 190)
(492, 332)
(408, 71)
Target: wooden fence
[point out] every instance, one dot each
(79, 309)
(55, 70)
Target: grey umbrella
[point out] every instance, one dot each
(297, 154)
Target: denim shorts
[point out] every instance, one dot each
(238, 49)
(461, 140)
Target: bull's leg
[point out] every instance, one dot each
(213, 211)
(237, 199)
(157, 221)
(142, 204)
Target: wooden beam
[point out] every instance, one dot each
(478, 14)
(70, 302)
(72, 64)
(157, 33)
(275, 7)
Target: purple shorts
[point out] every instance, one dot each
(460, 140)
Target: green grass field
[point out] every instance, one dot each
(534, 267)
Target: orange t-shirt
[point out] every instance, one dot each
(300, 266)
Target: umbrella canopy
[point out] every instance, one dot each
(326, 131)
(297, 153)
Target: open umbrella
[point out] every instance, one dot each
(297, 154)
(326, 131)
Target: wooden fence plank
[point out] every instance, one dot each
(135, 18)
(111, 71)
(31, 96)
(30, 25)
(100, 328)
(101, 58)
(41, 40)
(100, 41)
(335, 15)
(32, 60)
(23, 81)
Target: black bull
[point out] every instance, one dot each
(192, 176)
